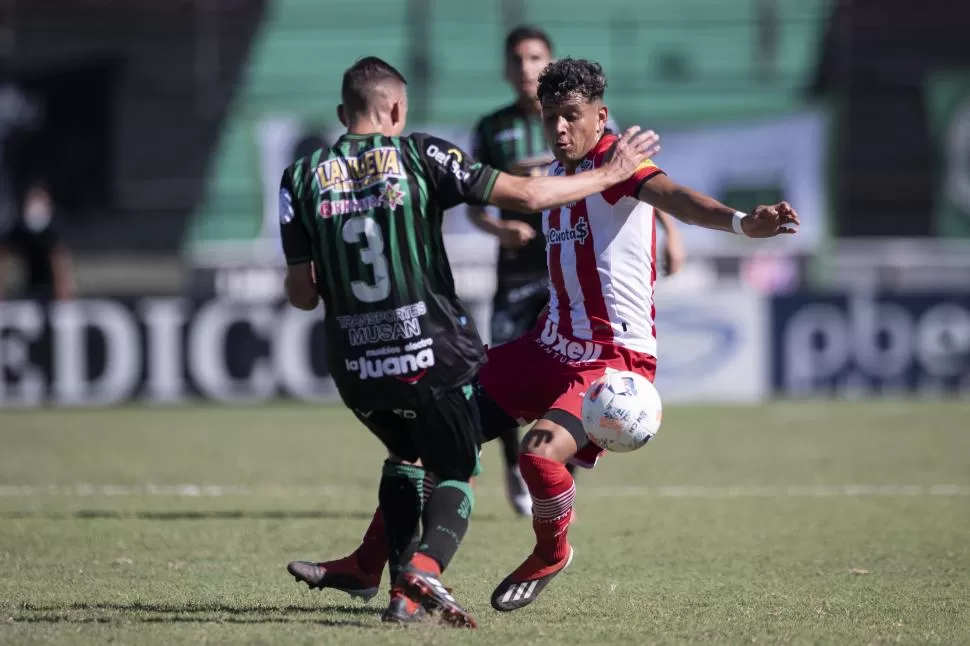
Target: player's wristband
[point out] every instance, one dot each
(736, 222)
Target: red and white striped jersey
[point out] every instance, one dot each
(601, 253)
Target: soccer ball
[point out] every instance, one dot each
(621, 411)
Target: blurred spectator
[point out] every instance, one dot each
(46, 261)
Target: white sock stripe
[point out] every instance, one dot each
(568, 492)
(559, 502)
(555, 507)
(552, 511)
(551, 514)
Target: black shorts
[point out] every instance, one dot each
(515, 309)
(444, 433)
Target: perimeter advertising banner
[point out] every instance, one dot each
(883, 344)
(99, 352)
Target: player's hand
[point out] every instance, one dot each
(630, 150)
(514, 234)
(674, 254)
(770, 221)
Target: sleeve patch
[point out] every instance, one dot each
(286, 207)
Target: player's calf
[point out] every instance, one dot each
(546, 448)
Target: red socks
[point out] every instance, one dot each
(426, 563)
(372, 553)
(553, 492)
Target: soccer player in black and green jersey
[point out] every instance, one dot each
(511, 140)
(361, 230)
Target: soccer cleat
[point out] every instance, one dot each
(523, 586)
(434, 596)
(402, 609)
(518, 492)
(343, 574)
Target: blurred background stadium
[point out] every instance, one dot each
(159, 130)
(142, 143)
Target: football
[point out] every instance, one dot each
(621, 411)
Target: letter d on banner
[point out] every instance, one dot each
(122, 352)
(24, 322)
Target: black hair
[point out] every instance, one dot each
(570, 76)
(523, 33)
(362, 81)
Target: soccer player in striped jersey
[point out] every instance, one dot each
(511, 140)
(602, 257)
(361, 229)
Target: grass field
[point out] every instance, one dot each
(836, 523)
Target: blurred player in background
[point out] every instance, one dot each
(511, 140)
(30, 234)
(361, 229)
(602, 261)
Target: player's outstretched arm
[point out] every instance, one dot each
(696, 208)
(533, 194)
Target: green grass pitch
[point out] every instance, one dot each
(801, 523)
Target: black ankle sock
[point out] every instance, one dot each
(446, 520)
(400, 496)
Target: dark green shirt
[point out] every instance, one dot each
(368, 213)
(511, 140)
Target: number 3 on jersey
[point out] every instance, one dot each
(372, 253)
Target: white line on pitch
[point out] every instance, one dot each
(598, 491)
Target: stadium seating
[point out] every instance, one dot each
(690, 61)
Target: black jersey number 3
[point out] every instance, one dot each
(371, 253)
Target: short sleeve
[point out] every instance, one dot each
(631, 187)
(297, 245)
(457, 178)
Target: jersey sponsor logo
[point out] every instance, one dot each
(567, 349)
(387, 325)
(286, 207)
(345, 174)
(408, 366)
(391, 196)
(449, 159)
(576, 233)
(385, 332)
(586, 165)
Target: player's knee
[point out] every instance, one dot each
(549, 440)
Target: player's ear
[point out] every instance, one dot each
(397, 113)
(602, 117)
(342, 115)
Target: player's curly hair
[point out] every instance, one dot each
(571, 76)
